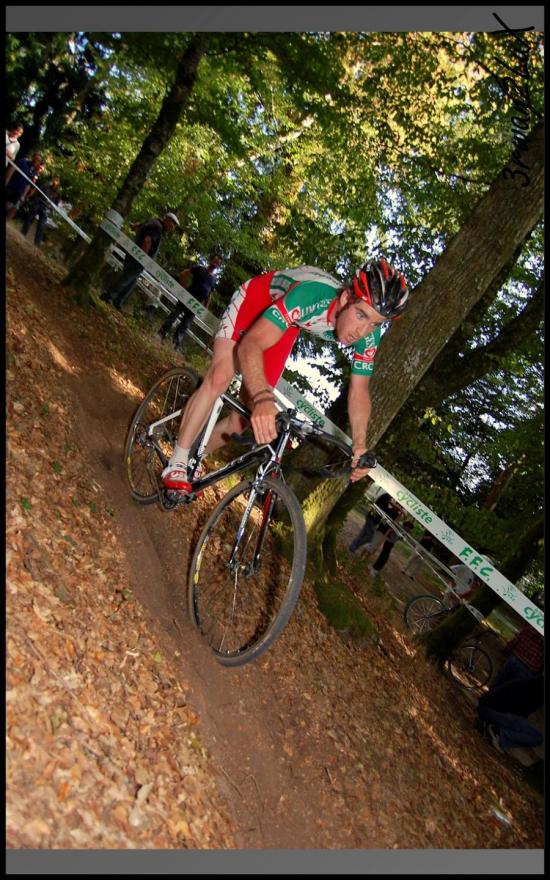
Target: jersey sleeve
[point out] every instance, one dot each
(305, 300)
(364, 352)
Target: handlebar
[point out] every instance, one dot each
(286, 420)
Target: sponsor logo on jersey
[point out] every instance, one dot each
(363, 366)
(368, 355)
(287, 318)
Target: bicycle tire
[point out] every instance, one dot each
(423, 613)
(240, 611)
(471, 666)
(141, 453)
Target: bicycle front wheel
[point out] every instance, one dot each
(423, 613)
(470, 666)
(153, 432)
(247, 570)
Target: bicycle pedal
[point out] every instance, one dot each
(181, 496)
(175, 496)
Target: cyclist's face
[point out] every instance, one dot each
(355, 319)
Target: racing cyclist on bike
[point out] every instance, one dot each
(256, 335)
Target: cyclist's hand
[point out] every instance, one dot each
(263, 422)
(357, 473)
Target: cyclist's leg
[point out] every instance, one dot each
(274, 363)
(247, 303)
(215, 382)
(196, 413)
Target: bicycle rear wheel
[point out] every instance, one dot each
(470, 666)
(423, 613)
(153, 432)
(247, 570)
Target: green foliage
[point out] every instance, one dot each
(319, 148)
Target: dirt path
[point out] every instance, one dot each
(319, 744)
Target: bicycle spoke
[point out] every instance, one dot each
(423, 613)
(247, 572)
(471, 666)
(154, 431)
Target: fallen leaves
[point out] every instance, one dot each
(88, 714)
(365, 744)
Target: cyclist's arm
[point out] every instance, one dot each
(359, 408)
(250, 352)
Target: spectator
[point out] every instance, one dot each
(199, 281)
(414, 563)
(39, 207)
(18, 189)
(384, 529)
(465, 582)
(525, 653)
(372, 520)
(392, 537)
(12, 147)
(504, 709)
(148, 237)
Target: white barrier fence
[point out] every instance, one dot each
(507, 591)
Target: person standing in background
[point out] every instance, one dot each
(199, 281)
(392, 537)
(12, 147)
(148, 237)
(40, 207)
(18, 189)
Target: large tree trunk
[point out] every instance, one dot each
(501, 482)
(85, 273)
(503, 218)
(450, 372)
(457, 367)
(501, 221)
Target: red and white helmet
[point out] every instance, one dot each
(382, 287)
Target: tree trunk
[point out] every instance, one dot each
(501, 221)
(454, 370)
(492, 498)
(85, 272)
(473, 259)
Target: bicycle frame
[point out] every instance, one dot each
(269, 455)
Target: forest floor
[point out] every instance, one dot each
(123, 731)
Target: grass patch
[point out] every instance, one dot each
(356, 566)
(342, 609)
(378, 587)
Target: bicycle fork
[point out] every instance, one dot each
(271, 467)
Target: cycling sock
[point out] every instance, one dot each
(179, 456)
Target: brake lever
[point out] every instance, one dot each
(366, 460)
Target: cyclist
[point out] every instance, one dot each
(256, 335)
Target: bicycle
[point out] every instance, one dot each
(470, 665)
(249, 562)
